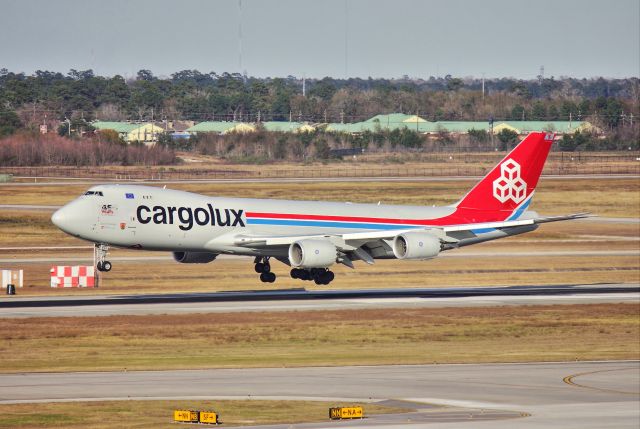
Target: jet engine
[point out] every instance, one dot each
(194, 257)
(312, 254)
(416, 245)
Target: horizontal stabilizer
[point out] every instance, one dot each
(565, 217)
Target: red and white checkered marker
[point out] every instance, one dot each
(73, 276)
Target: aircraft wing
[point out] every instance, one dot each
(352, 240)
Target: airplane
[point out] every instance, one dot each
(309, 236)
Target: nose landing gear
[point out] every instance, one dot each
(263, 267)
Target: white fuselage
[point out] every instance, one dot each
(152, 218)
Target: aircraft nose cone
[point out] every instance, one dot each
(60, 218)
(68, 218)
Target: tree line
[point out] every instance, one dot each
(192, 95)
(27, 101)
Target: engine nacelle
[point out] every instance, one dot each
(416, 245)
(194, 257)
(312, 253)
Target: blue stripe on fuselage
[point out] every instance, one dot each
(357, 225)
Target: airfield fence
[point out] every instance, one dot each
(448, 165)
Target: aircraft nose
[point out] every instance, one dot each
(61, 218)
(68, 218)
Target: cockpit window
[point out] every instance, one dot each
(98, 193)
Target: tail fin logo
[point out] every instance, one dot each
(510, 186)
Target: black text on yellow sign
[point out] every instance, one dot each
(346, 413)
(186, 416)
(190, 416)
(208, 417)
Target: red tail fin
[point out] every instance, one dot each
(510, 184)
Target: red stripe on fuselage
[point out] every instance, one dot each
(456, 218)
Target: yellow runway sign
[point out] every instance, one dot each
(187, 416)
(346, 413)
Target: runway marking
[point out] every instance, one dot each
(569, 380)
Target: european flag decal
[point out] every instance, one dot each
(129, 196)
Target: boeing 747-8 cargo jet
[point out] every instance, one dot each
(308, 236)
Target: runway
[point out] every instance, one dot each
(302, 299)
(566, 394)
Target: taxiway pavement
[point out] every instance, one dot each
(565, 394)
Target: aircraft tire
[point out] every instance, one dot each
(99, 266)
(271, 277)
(266, 268)
(106, 266)
(330, 276)
(263, 278)
(304, 275)
(259, 267)
(294, 273)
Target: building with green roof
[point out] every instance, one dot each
(143, 132)
(220, 127)
(561, 127)
(413, 122)
(388, 122)
(287, 127)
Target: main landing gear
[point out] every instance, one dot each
(101, 251)
(321, 276)
(264, 269)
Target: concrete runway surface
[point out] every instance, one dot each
(528, 395)
(301, 300)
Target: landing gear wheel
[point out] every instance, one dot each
(323, 277)
(268, 277)
(106, 266)
(266, 267)
(259, 267)
(330, 276)
(99, 266)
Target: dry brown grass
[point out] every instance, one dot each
(342, 337)
(604, 197)
(159, 414)
(399, 164)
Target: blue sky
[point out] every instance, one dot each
(338, 38)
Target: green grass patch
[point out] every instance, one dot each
(347, 337)
(159, 414)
